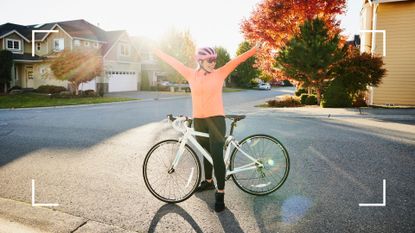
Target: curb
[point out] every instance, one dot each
(17, 216)
(87, 105)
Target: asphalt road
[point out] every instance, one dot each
(88, 159)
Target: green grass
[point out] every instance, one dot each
(227, 89)
(29, 100)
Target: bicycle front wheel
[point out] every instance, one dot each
(271, 171)
(167, 184)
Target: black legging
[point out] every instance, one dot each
(216, 127)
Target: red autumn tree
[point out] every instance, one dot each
(77, 67)
(276, 21)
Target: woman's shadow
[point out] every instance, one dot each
(226, 218)
(172, 208)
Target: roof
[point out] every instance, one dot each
(75, 28)
(22, 30)
(26, 57)
(111, 38)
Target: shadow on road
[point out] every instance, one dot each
(229, 223)
(172, 208)
(227, 219)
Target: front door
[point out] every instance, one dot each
(29, 76)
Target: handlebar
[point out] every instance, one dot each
(178, 122)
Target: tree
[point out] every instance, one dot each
(276, 21)
(222, 59)
(246, 71)
(77, 67)
(310, 55)
(6, 64)
(358, 71)
(181, 46)
(223, 56)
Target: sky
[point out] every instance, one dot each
(210, 22)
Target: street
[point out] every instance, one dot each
(88, 159)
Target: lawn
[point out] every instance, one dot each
(228, 89)
(28, 100)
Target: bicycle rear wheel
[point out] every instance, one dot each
(171, 186)
(271, 154)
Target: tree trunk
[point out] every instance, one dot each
(76, 86)
(318, 95)
(309, 90)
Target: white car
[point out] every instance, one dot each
(264, 86)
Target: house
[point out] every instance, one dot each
(121, 60)
(150, 68)
(397, 19)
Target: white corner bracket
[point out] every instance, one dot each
(384, 38)
(33, 37)
(378, 204)
(33, 197)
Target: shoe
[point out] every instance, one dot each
(205, 185)
(220, 203)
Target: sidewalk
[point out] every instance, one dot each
(149, 95)
(399, 120)
(21, 217)
(316, 111)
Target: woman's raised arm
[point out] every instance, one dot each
(185, 71)
(232, 64)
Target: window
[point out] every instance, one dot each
(96, 45)
(77, 42)
(58, 45)
(124, 50)
(86, 43)
(13, 44)
(38, 46)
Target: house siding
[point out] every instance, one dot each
(398, 85)
(61, 34)
(114, 53)
(14, 36)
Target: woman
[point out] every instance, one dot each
(206, 84)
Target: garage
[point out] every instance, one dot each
(122, 81)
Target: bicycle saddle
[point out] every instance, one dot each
(235, 117)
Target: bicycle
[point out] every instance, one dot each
(259, 164)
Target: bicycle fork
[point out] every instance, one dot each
(179, 154)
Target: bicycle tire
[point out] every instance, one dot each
(191, 173)
(270, 165)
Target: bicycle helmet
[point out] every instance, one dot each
(205, 53)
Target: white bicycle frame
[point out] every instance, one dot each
(180, 125)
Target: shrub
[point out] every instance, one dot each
(311, 100)
(300, 91)
(50, 89)
(359, 101)
(303, 98)
(336, 96)
(89, 92)
(285, 101)
(287, 83)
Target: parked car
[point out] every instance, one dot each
(264, 86)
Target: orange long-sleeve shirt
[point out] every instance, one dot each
(206, 89)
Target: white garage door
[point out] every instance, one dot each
(122, 81)
(91, 85)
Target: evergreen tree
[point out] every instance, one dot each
(246, 71)
(310, 55)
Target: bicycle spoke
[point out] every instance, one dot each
(274, 165)
(177, 185)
